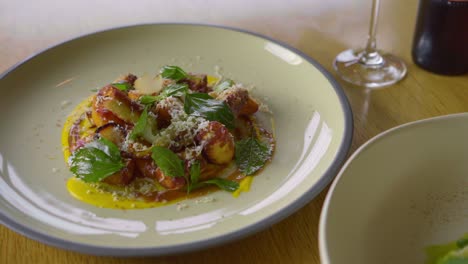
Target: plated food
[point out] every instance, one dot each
(145, 141)
(407, 188)
(313, 130)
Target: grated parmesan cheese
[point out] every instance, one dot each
(204, 200)
(100, 99)
(217, 70)
(182, 130)
(65, 103)
(181, 206)
(139, 186)
(263, 108)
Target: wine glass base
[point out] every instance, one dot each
(349, 67)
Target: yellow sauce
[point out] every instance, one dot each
(91, 195)
(244, 186)
(75, 114)
(211, 80)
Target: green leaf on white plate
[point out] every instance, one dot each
(194, 175)
(223, 85)
(173, 72)
(122, 86)
(140, 125)
(149, 99)
(177, 89)
(169, 163)
(251, 155)
(202, 104)
(96, 161)
(195, 172)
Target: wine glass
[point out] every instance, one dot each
(369, 67)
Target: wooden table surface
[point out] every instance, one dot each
(319, 28)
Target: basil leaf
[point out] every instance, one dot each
(223, 85)
(195, 172)
(170, 164)
(194, 175)
(224, 184)
(151, 130)
(96, 161)
(178, 89)
(201, 104)
(149, 99)
(251, 155)
(173, 72)
(171, 90)
(140, 125)
(122, 86)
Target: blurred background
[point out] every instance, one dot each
(319, 28)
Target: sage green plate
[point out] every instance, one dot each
(401, 192)
(313, 129)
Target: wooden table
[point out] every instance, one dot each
(319, 28)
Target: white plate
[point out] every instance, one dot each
(401, 192)
(313, 129)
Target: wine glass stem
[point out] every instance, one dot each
(370, 56)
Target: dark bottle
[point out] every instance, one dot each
(440, 43)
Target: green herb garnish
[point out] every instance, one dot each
(224, 184)
(169, 163)
(178, 89)
(194, 175)
(203, 105)
(223, 85)
(173, 72)
(96, 161)
(149, 99)
(140, 125)
(122, 86)
(195, 172)
(251, 155)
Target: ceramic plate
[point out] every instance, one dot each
(313, 130)
(399, 194)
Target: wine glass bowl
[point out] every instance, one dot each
(372, 70)
(369, 67)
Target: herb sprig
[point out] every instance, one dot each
(122, 86)
(169, 163)
(203, 105)
(177, 89)
(172, 166)
(251, 155)
(173, 72)
(96, 161)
